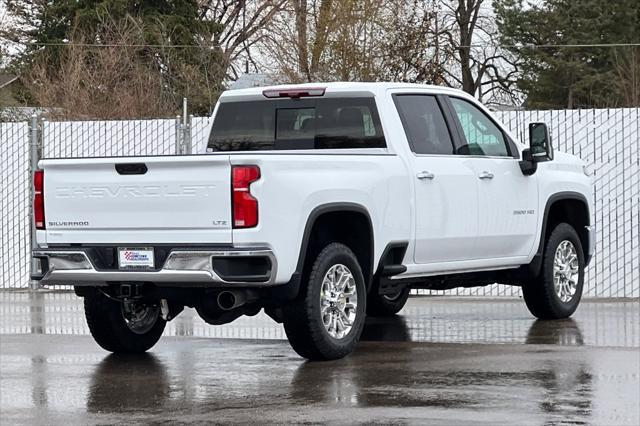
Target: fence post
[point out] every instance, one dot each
(186, 128)
(34, 157)
(188, 143)
(183, 131)
(178, 135)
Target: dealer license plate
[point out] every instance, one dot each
(135, 258)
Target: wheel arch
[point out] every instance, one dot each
(338, 216)
(567, 206)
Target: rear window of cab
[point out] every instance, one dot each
(296, 124)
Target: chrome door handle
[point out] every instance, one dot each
(486, 175)
(425, 175)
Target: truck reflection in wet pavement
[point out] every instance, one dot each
(440, 361)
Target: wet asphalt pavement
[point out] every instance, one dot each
(441, 361)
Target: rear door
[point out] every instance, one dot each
(178, 200)
(507, 198)
(446, 187)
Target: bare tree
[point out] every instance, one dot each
(411, 50)
(241, 24)
(446, 42)
(333, 40)
(299, 51)
(469, 38)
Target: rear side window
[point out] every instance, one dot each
(292, 124)
(424, 124)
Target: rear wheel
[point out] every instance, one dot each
(386, 305)
(123, 327)
(556, 292)
(326, 320)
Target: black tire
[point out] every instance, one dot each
(302, 318)
(539, 293)
(110, 330)
(379, 305)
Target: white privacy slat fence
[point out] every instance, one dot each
(14, 196)
(607, 139)
(108, 138)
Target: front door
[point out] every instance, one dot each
(446, 205)
(507, 198)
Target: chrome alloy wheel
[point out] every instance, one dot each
(338, 301)
(566, 271)
(140, 318)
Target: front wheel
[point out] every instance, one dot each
(556, 292)
(123, 327)
(326, 320)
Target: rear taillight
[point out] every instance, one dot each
(245, 207)
(38, 199)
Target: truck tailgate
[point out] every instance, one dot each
(138, 200)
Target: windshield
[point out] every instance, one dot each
(329, 123)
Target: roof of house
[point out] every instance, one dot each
(246, 81)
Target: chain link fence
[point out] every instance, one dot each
(606, 139)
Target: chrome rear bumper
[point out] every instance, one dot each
(181, 268)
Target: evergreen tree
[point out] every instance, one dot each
(558, 76)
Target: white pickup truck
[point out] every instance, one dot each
(320, 204)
